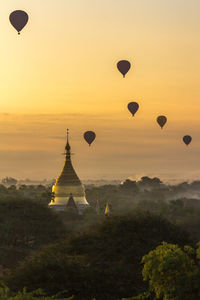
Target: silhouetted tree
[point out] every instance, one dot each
(104, 263)
(129, 185)
(9, 181)
(149, 183)
(26, 225)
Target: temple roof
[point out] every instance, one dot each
(68, 175)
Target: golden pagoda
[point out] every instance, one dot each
(67, 185)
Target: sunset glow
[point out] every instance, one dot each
(61, 73)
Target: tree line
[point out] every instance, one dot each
(147, 250)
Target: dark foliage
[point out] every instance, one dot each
(104, 264)
(24, 226)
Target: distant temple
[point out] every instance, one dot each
(68, 189)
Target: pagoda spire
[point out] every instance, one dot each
(67, 147)
(67, 135)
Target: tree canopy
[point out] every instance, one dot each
(104, 263)
(173, 273)
(24, 226)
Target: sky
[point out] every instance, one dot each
(61, 73)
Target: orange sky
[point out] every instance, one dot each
(61, 72)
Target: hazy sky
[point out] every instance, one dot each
(61, 73)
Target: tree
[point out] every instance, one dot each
(9, 181)
(195, 185)
(104, 263)
(26, 225)
(149, 183)
(173, 273)
(53, 270)
(130, 185)
(7, 294)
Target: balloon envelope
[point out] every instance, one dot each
(89, 136)
(123, 66)
(161, 121)
(187, 139)
(133, 107)
(18, 19)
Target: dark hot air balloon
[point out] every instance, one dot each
(18, 19)
(161, 121)
(133, 107)
(123, 66)
(187, 139)
(89, 136)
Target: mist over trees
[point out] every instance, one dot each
(104, 263)
(93, 256)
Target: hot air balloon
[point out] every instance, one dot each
(89, 136)
(133, 107)
(123, 66)
(161, 121)
(18, 19)
(187, 139)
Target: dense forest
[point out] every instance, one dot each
(132, 253)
